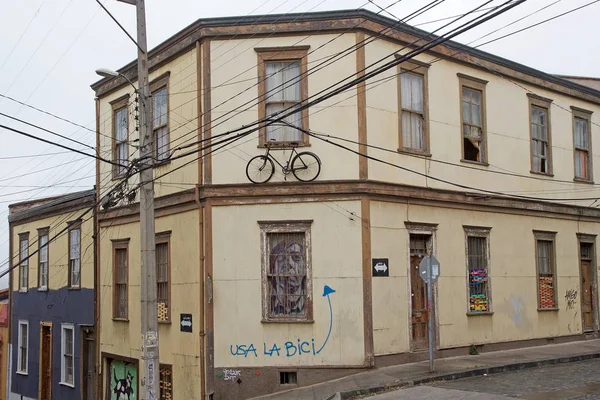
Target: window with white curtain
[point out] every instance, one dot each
(413, 112)
(283, 93)
(581, 131)
(160, 124)
(75, 257)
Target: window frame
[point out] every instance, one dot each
(288, 226)
(476, 84)
(74, 226)
(161, 82)
(278, 54)
(484, 233)
(120, 244)
(422, 69)
(587, 116)
(117, 105)
(546, 104)
(160, 375)
(165, 238)
(20, 369)
(24, 263)
(64, 327)
(546, 236)
(43, 232)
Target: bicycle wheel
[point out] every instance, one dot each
(306, 166)
(260, 169)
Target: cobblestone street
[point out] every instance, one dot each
(573, 381)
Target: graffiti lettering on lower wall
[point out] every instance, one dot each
(289, 348)
(124, 380)
(571, 298)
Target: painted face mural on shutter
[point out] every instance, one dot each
(287, 275)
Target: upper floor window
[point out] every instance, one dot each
(414, 132)
(286, 271)
(582, 142)
(23, 355)
(160, 118)
(541, 138)
(24, 261)
(473, 119)
(120, 278)
(282, 86)
(120, 135)
(75, 255)
(163, 274)
(43, 258)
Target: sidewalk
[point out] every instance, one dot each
(446, 369)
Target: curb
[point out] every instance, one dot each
(463, 374)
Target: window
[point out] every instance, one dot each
(160, 118)
(541, 143)
(67, 351)
(163, 272)
(286, 271)
(43, 258)
(120, 135)
(282, 86)
(414, 134)
(120, 279)
(23, 261)
(23, 356)
(582, 139)
(473, 119)
(478, 269)
(75, 255)
(288, 378)
(166, 382)
(546, 270)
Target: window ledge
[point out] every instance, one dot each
(474, 314)
(22, 373)
(71, 385)
(287, 321)
(542, 173)
(74, 287)
(22, 290)
(168, 322)
(414, 152)
(583, 180)
(162, 163)
(120, 319)
(117, 177)
(283, 146)
(549, 309)
(482, 164)
(43, 289)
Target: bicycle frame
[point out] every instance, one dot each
(285, 168)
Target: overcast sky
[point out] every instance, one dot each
(49, 50)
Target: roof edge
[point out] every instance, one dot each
(57, 204)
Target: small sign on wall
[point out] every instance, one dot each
(381, 267)
(185, 322)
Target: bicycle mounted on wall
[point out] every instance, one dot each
(305, 165)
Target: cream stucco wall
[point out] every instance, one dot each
(336, 262)
(58, 251)
(508, 133)
(183, 127)
(179, 349)
(235, 90)
(512, 271)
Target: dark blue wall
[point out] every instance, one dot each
(56, 306)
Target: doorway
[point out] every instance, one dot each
(420, 246)
(588, 287)
(89, 364)
(45, 361)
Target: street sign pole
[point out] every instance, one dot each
(429, 308)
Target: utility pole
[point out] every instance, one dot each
(149, 366)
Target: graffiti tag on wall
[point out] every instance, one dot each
(571, 298)
(288, 348)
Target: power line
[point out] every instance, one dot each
(120, 26)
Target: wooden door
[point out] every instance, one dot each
(587, 287)
(89, 364)
(46, 363)
(418, 293)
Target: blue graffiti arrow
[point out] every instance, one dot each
(326, 292)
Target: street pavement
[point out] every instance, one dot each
(573, 381)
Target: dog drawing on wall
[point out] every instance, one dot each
(123, 388)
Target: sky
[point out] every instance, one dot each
(49, 50)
